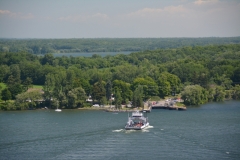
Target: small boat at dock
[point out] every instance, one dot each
(137, 121)
(58, 110)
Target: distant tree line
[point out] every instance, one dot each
(44, 46)
(197, 74)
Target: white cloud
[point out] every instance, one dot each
(10, 14)
(203, 2)
(158, 11)
(100, 15)
(7, 13)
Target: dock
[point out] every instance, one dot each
(147, 107)
(170, 105)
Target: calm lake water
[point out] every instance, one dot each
(89, 54)
(211, 131)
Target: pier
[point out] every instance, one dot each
(169, 107)
(169, 104)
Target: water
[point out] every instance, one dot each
(211, 131)
(89, 54)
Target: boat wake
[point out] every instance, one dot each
(149, 127)
(146, 129)
(130, 131)
(118, 130)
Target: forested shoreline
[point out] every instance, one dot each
(44, 46)
(197, 74)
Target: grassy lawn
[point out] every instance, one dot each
(180, 104)
(3, 86)
(38, 86)
(155, 98)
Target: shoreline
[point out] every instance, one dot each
(106, 108)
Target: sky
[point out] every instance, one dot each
(119, 18)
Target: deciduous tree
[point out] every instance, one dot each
(194, 95)
(6, 94)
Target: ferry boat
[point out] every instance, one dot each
(137, 121)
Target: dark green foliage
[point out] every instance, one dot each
(168, 84)
(109, 90)
(124, 90)
(150, 87)
(236, 92)
(208, 73)
(28, 100)
(118, 100)
(219, 94)
(9, 106)
(15, 89)
(43, 46)
(4, 72)
(138, 97)
(99, 90)
(27, 83)
(76, 97)
(236, 75)
(194, 95)
(13, 83)
(47, 59)
(6, 94)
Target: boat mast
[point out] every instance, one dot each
(146, 116)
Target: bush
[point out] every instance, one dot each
(86, 104)
(8, 106)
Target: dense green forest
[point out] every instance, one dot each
(43, 46)
(198, 74)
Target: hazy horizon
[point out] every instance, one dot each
(60, 19)
(124, 37)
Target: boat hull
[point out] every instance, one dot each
(135, 127)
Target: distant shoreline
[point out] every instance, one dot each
(89, 54)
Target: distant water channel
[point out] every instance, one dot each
(89, 54)
(210, 131)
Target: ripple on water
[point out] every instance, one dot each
(208, 132)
